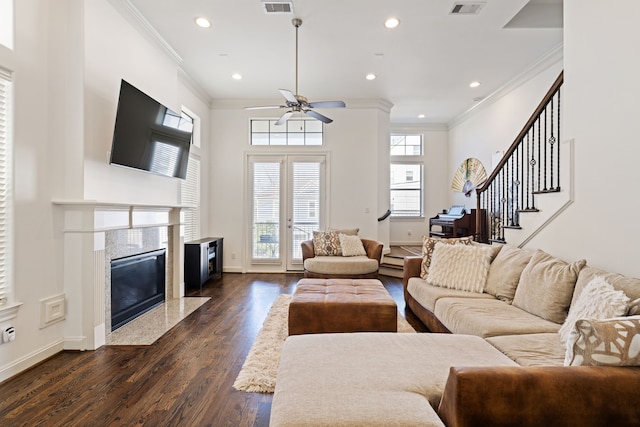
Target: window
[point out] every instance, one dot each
(190, 186)
(406, 181)
(5, 186)
(293, 132)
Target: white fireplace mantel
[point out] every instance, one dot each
(83, 224)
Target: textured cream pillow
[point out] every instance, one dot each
(428, 244)
(461, 267)
(546, 286)
(505, 271)
(351, 245)
(326, 243)
(609, 342)
(598, 300)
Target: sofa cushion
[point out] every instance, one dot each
(462, 267)
(546, 286)
(505, 272)
(544, 349)
(372, 379)
(428, 244)
(598, 300)
(326, 243)
(341, 265)
(488, 318)
(351, 245)
(609, 342)
(630, 286)
(427, 295)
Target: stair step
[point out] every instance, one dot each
(550, 190)
(529, 210)
(513, 227)
(391, 266)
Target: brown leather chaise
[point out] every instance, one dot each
(355, 267)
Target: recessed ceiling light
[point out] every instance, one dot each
(236, 76)
(202, 22)
(421, 116)
(474, 84)
(392, 22)
(370, 76)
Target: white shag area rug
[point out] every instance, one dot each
(258, 373)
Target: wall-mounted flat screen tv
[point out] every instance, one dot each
(149, 136)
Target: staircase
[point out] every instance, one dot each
(392, 262)
(535, 164)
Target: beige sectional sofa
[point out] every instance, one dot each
(499, 361)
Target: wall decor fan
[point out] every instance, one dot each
(469, 175)
(296, 103)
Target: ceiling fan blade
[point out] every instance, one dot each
(323, 119)
(265, 107)
(327, 104)
(288, 95)
(284, 118)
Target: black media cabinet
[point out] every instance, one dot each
(202, 261)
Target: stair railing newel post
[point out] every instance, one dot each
(517, 169)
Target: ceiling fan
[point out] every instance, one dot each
(297, 103)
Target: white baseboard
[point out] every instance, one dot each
(30, 360)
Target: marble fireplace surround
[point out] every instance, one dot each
(93, 234)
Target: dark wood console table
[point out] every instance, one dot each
(202, 261)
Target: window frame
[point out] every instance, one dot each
(285, 133)
(405, 159)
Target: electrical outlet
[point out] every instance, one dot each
(9, 334)
(408, 232)
(233, 255)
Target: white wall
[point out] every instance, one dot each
(601, 112)
(353, 142)
(436, 190)
(67, 73)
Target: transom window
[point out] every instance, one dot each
(292, 132)
(406, 181)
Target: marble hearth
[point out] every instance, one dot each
(94, 233)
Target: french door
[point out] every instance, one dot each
(287, 194)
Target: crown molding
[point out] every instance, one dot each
(550, 58)
(144, 27)
(194, 87)
(418, 127)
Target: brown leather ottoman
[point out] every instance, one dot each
(341, 305)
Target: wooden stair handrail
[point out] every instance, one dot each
(538, 111)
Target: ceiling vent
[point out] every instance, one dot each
(466, 8)
(277, 7)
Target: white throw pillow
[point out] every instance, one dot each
(461, 267)
(351, 245)
(598, 300)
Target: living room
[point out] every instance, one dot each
(66, 75)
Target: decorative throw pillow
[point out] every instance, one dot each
(609, 342)
(326, 243)
(428, 244)
(461, 267)
(546, 286)
(505, 272)
(598, 300)
(347, 231)
(351, 245)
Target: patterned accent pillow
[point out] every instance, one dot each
(609, 342)
(461, 267)
(428, 243)
(351, 245)
(326, 243)
(598, 300)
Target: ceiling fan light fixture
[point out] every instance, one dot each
(202, 22)
(391, 22)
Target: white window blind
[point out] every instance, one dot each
(266, 211)
(191, 197)
(5, 186)
(306, 199)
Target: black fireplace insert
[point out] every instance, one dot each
(137, 285)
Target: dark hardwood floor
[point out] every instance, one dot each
(185, 378)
